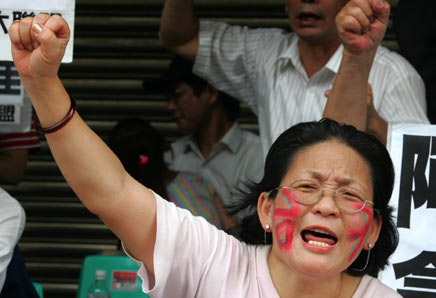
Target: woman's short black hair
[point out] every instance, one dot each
(279, 160)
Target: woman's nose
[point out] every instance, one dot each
(326, 206)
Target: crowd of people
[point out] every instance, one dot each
(222, 212)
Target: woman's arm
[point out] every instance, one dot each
(91, 169)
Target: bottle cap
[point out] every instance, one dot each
(100, 274)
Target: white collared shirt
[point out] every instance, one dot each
(235, 159)
(262, 67)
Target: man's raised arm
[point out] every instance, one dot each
(361, 25)
(179, 28)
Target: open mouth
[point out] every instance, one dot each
(319, 237)
(307, 16)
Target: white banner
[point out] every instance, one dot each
(15, 107)
(59, 5)
(11, 95)
(413, 151)
(11, 10)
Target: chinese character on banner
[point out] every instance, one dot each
(413, 265)
(11, 95)
(419, 273)
(413, 180)
(3, 26)
(9, 79)
(7, 113)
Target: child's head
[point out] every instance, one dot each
(140, 149)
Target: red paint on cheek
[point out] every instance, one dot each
(284, 219)
(358, 235)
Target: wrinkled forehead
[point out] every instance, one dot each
(332, 161)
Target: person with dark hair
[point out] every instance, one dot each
(279, 163)
(325, 209)
(214, 147)
(140, 149)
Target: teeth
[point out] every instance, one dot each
(321, 231)
(322, 244)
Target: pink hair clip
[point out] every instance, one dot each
(143, 160)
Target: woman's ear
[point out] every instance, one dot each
(374, 232)
(265, 209)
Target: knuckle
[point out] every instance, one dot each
(348, 21)
(56, 18)
(41, 17)
(26, 21)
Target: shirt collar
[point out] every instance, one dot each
(292, 55)
(231, 140)
(335, 60)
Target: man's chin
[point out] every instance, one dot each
(314, 37)
(184, 129)
(310, 33)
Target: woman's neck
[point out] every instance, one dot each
(291, 284)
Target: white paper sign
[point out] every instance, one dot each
(413, 151)
(11, 96)
(11, 10)
(60, 5)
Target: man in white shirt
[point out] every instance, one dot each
(283, 76)
(215, 146)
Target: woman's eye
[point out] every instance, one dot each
(307, 187)
(351, 196)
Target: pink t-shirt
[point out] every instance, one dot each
(192, 258)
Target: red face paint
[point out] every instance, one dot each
(285, 219)
(358, 235)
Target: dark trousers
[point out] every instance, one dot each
(18, 283)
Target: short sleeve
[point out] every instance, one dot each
(185, 246)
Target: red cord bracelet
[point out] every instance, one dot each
(55, 127)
